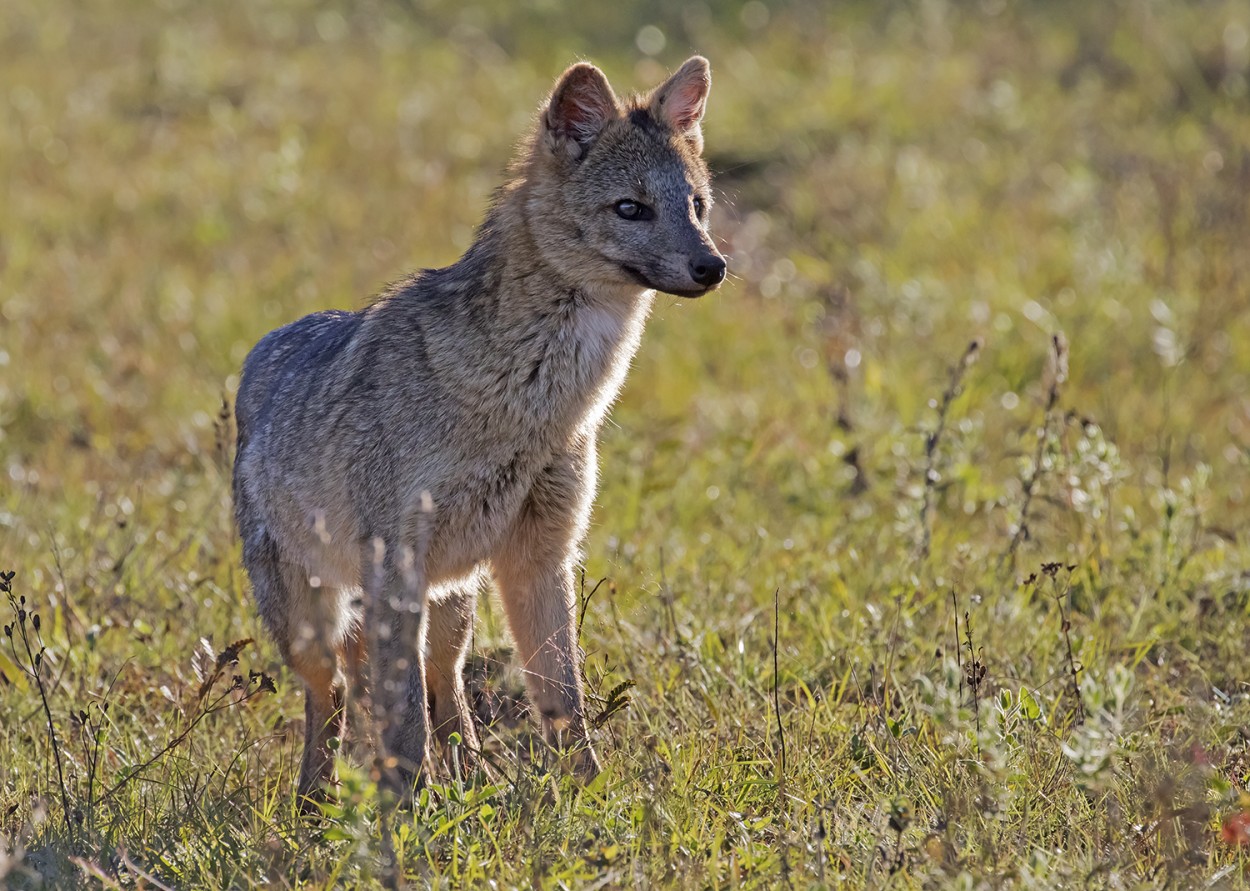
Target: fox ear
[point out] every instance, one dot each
(580, 107)
(680, 101)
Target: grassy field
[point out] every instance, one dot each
(924, 540)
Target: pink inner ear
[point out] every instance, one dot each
(684, 106)
(583, 116)
(583, 104)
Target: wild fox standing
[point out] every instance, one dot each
(389, 459)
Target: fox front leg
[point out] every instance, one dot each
(534, 573)
(398, 617)
(447, 637)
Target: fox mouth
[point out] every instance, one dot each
(641, 279)
(689, 295)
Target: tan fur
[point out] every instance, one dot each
(391, 460)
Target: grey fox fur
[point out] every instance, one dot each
(390, 460)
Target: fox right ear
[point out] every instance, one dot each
(580, 107)
(681, 100)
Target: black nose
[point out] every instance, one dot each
(707, 270)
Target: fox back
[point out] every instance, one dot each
(398, 453)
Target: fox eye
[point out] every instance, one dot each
(698, 206)
(633, 210)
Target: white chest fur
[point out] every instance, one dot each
(607, 335)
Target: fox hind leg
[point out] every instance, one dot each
(304, 622)
(323, 721)
(353, 659)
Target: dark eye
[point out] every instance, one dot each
(698, 207)
(633, 210)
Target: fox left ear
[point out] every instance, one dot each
(580, 107)
(680, 101)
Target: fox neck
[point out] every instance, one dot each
(561, 343)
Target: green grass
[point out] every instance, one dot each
(896, 182)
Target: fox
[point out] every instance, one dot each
(394, 462)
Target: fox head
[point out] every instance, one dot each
(617, 192)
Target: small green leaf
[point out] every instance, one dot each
(1028, 705)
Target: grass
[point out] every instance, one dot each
(896, 612)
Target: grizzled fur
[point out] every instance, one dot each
(391, 460)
